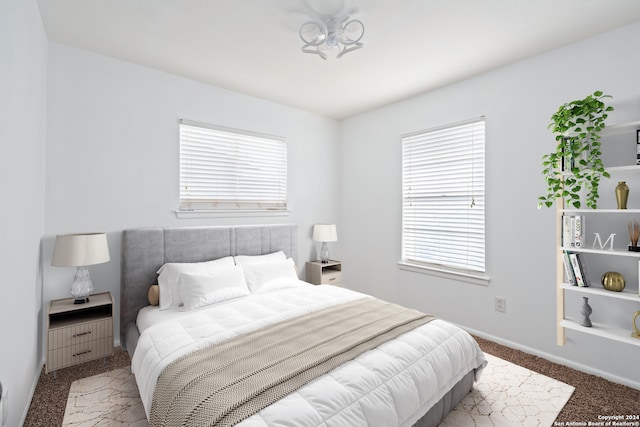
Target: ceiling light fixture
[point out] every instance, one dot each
(332, 33)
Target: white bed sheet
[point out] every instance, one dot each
(392, 385)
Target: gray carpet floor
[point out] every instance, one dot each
(593, 397)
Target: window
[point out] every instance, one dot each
(443, 198)
(224, 169)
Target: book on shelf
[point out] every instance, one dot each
(578, 230)
(567, 163)
(638, 147)
(573, 231)
(579, 268)
(569, 276)
(566, 231)
(586, 277)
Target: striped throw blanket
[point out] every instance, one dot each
(226, 383)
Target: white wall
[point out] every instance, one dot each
(112, 156)
(517, 101)
(23, 49)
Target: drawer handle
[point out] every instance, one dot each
(332, 278)
(81, 334)
(81, 353)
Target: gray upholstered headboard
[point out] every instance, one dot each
(145, 250)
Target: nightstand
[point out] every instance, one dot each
(329, 273)
(77, 333)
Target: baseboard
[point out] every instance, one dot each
(555, 359)
(34, 383)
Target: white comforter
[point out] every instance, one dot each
(392, 385)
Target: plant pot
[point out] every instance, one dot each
(634, 248)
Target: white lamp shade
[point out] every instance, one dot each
(325, 233)
(75, 250)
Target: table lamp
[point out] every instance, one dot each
(80, 250)
(324, 233)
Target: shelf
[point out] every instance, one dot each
(614, 169)
(619, 128)
(614, 252)
(596, 290)
(601, 211)
(628, 168)
(617, 334)
(67, 305)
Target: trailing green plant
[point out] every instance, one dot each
(575, 165)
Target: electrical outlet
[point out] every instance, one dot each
(501, 304)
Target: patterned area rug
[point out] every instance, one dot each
(506, 395)
(109, 399)
(510, 395)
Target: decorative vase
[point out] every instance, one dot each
(586, 311)
(636, 331)
(613, 281)
(622, 194)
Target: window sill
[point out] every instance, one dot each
(230, 213)
(476, 279)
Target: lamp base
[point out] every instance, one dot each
(82, 286)
(324, 253)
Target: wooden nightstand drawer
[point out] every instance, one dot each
(331, 278)
(78, 353)
(81, 333)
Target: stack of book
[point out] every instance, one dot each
(573, 231)
(575, 269)
(573, 236)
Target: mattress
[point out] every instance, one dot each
(394, 384)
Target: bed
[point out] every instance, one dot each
(411, 379)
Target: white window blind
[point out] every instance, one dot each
(443, 197)
(222, 169)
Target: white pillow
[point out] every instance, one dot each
(267, 276)
(169, 275)
(256, 259)
(199, 289)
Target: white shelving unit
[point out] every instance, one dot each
(628, 295)
(602, 331)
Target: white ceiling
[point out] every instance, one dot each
(253, 47)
